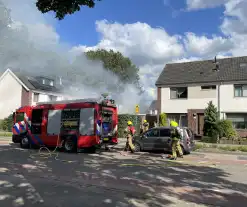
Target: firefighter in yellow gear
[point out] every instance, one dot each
(129, 133)
(145, 126)
(175, 136)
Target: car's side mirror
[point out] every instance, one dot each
(144, 136)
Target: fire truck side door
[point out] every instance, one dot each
(87, 121)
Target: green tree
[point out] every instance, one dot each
(115, 62)
(63, 7)
(7, 123)
(163, 119)
(210, 120)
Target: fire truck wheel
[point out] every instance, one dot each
(24, 143)
(69, 145)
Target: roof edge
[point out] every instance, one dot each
(201, 83)
(15, 77)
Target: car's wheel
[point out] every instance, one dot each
(137, 147)
(69, 145)
(185, 152)
(25, 143)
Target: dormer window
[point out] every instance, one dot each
(242, 65)
(47, 82)
(51, 83)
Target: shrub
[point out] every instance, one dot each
(7, 123)
(226, 129)
(163, 119)
(122, 123)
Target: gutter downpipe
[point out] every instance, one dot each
(218, 100)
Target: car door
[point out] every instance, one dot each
(165, 136)
(150, 139)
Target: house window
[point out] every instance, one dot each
(52, 98)
(51, 83)
(240, 90)
(213, 87)
(239, 121)
(43, 81)
(35, 97)
(179, 93)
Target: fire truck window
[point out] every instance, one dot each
(87, 121)
(107, 116)
(37, 116)
(54, 122)
(70, 120)
(36, 121)
(19, 117)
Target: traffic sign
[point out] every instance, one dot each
(137, 109)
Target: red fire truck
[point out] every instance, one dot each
(74, 124)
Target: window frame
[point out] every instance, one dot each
(177, 96)
(238, 120)
(51, 83)
(35, 95)
(208, 87)
(239, 86)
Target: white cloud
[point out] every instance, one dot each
(144, 44)
(203, 4)
(234, 25)
(205, 47)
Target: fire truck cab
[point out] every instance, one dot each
(72, 124)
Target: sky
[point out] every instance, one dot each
(150, 33)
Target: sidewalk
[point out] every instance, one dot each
(2, 138)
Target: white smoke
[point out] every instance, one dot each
(29, 43)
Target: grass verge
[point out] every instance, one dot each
(229, 148)
(5, 134)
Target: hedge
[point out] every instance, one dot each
(207, 139)
(122, 123)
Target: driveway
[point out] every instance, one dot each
(117, 179)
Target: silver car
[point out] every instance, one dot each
(159, 138)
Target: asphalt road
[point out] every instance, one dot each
(118, 180)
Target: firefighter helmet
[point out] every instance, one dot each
(129, 123)
(174, 124)
(145, 121)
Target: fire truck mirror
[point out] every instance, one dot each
(13, 115)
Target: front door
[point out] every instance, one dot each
(200, 124)
(151, 139)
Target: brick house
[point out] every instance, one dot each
(18, 89)
(184, 90)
